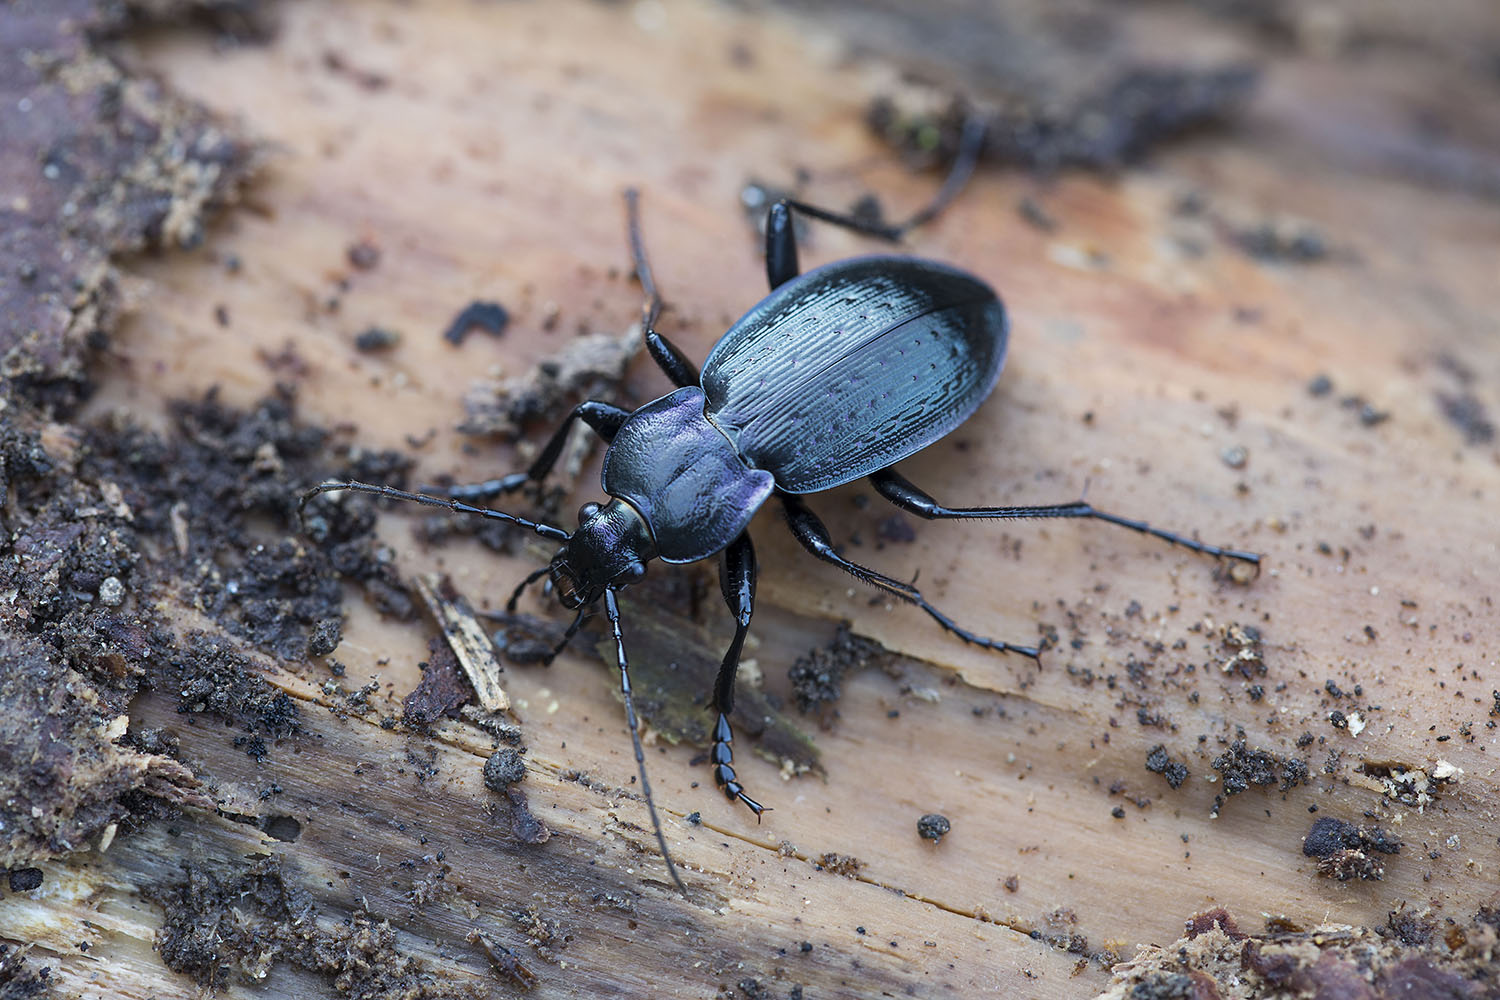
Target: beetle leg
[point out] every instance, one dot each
(781, 241)
(668, 357)
(577, 623)
(612, 609)
(903, 494)
(737, 581)
(781, 245)
(532, 577)
(809, 530)
(604, 418)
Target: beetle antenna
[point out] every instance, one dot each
(533, 577)
(651, 311)
(457, 506)
(612, 608)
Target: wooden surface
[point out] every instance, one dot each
(489, 164)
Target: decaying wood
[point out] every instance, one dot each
(467, 638)
(1280, 336)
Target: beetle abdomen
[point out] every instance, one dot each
(855, 366)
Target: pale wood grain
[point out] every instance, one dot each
(491, 166)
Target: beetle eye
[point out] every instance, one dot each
(630, 574)
(587, 511)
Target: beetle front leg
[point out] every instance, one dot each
(899, 491)
(604, 418)
(668, 357)
(809, 530)
(737, 580)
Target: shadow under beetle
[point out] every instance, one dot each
(838, 374)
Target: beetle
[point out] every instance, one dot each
(836, 375)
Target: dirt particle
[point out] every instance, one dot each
(325, 638)
(817, 678)
(895, 529)
(363, 255)
(491, 317)
(1283, 241)
(524, 824)
(933, 827)
(1159, 762)
(1247, 659)
(751, 989)
(111, 592)
(1410, 928)
(1351, 864)
(1035, 215)
(1241, 768)
(25, 879)
(1466, 412)
(376, 338)
(845, 865)
(504, 768)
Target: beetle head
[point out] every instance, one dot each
(609, 549)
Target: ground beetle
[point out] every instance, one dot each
(838, 374)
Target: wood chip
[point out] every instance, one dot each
(467, 638)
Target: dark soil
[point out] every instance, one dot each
(221, 919)
(1216, 958)
(818, 678)
(112, 166)
(1128, 115)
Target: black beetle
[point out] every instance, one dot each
(838, 374)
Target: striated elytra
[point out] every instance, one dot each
(837, 374)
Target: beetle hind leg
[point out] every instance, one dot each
(908, 497)
(737, 581)
(809, 530)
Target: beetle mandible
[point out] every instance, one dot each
(836, 375)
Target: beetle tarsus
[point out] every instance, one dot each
(722, 756)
